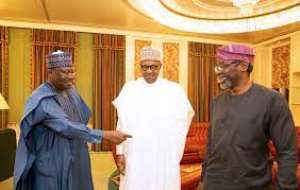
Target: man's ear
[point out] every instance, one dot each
(243, 66)
(50, 72)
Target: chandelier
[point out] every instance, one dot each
(155, 10)
(246, 6)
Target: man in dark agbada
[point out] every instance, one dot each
(244, 118)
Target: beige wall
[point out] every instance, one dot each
(262, 66)
(295, 78)
(295, 52)
(19, 71)
(262, 72)
(84, 67)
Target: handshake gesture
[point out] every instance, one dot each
(115, 137)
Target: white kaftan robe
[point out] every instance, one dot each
(158, 116)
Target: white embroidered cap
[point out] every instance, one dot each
(149, 53)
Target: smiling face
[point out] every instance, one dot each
(62, 78)
(230, 73)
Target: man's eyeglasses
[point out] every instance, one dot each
(224, 66)
(151, 67)
(65, 70)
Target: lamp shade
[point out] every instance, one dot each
(3, 104)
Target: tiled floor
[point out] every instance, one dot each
(102, 166)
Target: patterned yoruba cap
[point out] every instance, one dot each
(59, 59)
(236, 52)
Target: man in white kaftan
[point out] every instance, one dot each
(157, 113)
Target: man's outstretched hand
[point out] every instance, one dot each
(115, 137)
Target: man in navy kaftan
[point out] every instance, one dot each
(52, 153)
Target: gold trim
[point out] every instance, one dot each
(226, 19)
(97, 30)
(185, 24)
(272, 40)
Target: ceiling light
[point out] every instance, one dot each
(246, 6)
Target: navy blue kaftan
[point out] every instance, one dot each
(52, 153)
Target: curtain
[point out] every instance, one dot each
(202, 83)
(44, 42)
(109, 77)
(4, 73)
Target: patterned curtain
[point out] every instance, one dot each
(4, 73)
(44, 42)
(171, 61)
(202, 84)
(280, 67)
(109, 77)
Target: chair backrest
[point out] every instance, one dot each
(195, 146)
(8, 146)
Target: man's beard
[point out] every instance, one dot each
(227, 82)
